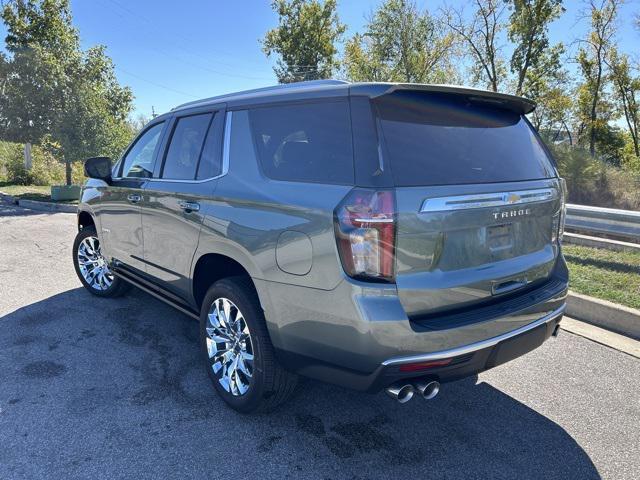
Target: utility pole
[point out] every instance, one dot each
(28, 161)
(153, 112)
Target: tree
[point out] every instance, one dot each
(481, 37)
(304, 40)
(553, 106)
(54, 93)
(40, 41)
(591, 61)
(94, 115)
(4, 78)
(532, 57)
(627, 93)
(400, 44)
(139, 122)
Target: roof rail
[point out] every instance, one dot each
(282, 86)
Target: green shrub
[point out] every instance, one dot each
(593, 182)
(45, 170)
(620, 188)
(8, 153)
(630, 161)
(578, 169)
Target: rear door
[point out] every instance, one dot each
(477, 199)
(175, 199)
(119, 209)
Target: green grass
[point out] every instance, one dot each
(40, 193)
(605, 274)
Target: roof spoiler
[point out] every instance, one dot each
(519, 105)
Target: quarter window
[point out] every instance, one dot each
(181, 160)
(139, 160)
(304, 143)
(210, 159)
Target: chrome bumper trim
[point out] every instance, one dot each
(484, 200)
(474, 347)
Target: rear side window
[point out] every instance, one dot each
(304, 142)
(441, 139)
(187, 140)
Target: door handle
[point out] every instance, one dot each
(189, 206)
(134, 197)
(508, 286)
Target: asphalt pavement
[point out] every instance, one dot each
(100, 388)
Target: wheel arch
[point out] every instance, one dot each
(86, 219)
(211, 267)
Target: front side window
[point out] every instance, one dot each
(304, 142)
(181, 161)
(139, 160)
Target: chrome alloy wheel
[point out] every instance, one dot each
(92, 265)
(229, 346)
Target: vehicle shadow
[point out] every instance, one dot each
(125, 394)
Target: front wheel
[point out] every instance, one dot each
(237, 349)
(92, 268)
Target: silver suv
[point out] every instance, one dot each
(374, 235)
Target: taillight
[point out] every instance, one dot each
(416, 367)
(560, 217)
(365, 231)
(563, 208)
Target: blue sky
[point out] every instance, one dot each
(173, 52)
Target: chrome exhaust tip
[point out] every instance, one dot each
(401, 392)
(428, 389)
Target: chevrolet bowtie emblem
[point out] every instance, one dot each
(513, 198)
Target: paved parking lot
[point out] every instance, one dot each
(95, 388)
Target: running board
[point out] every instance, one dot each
(155, 292)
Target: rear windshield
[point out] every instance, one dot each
(443, 139)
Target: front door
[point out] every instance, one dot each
(119, 211)
(175, 199)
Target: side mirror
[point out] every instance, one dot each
(98, 167)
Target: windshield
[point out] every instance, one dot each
(445, 139)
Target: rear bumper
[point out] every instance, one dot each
(358, 335)
(475, 358)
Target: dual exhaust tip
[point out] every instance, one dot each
(403, 392)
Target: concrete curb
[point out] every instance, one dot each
(7, 198)
(596, 242)
(622, 343)
(41, 206)
(48, 206)
(602, 313)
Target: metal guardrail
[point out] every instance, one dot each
(624, 224)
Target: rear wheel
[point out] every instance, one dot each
(92, 268)
(237, 350)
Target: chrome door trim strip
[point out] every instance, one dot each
(485, 200)
(226, 142)
(474, 347)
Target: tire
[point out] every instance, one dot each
(269, 384)
(97, 280)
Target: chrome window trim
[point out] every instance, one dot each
(485, 200)
(226, 142)
(225, 159)
(474, 347)
(374, 220)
